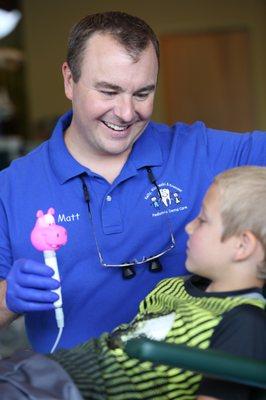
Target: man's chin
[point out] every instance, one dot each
(116, 150)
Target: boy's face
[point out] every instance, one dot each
(207, 255)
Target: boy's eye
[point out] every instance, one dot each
(201, 220)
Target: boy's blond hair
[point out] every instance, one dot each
(243, 204)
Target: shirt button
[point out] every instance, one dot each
(108, 198)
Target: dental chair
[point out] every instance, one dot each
(207, 362)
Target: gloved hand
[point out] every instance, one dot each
(29, 286)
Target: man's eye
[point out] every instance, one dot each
(142, 96)
(108, 93)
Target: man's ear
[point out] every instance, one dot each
(68, 80)
(245, 245)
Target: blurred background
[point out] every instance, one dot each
(212, 69)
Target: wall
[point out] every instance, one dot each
(47, 23)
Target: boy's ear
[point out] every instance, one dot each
(245, 245)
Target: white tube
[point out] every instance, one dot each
(51, 260)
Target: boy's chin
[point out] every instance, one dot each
(189, 267)
(192, 267)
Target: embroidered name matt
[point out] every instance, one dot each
(68, 218)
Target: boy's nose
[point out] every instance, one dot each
(189, 227)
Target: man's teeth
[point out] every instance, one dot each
(115, 127)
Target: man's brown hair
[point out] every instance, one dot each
(131, 32)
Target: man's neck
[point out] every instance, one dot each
(107, 166)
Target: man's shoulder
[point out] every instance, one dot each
(198, 129)
(36, 155)
(180, 128)
(23, 169)
(40, 154)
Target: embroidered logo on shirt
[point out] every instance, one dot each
(170, 200)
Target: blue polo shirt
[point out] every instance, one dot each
(129, 220)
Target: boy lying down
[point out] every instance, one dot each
(220, 306)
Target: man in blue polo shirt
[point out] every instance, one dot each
(122, 186)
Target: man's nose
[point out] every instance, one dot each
(124, 108)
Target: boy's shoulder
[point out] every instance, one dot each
(171, 282)
(246, 316)
(242, 332)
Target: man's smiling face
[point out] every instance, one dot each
(113, 99)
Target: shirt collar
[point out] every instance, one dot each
(146, 151)
(63, 164)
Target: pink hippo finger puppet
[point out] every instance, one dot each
(48, 237)
(46, 234)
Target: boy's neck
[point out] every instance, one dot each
(234, 284)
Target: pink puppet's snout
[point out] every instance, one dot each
(57, 237)
(48, 238)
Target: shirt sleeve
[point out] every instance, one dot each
(5, 252)
(228, 150)
(241, 332)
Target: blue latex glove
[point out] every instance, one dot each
(29, 286)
